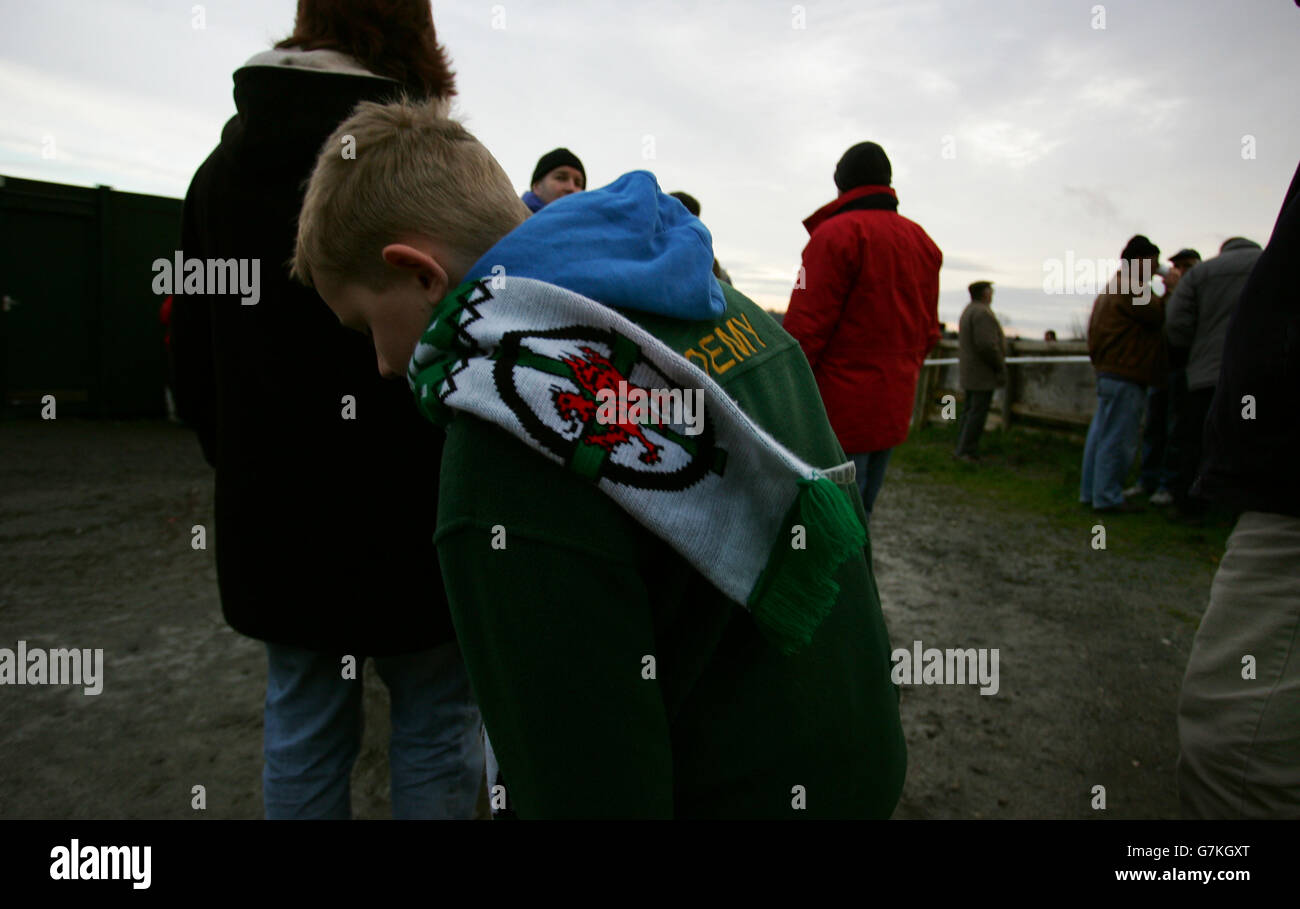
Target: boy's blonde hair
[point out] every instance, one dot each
(412, 171)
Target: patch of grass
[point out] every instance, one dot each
(1028, 470)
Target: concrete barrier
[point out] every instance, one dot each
(1049, 383)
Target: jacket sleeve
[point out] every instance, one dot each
(988, 340)
(554, 641)
(830, 267)
(935, 333)
(192, 348)
(1180, 314)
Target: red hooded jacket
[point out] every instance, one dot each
(866, 316)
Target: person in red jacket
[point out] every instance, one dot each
(865, 310)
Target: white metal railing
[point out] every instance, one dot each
(950, 361)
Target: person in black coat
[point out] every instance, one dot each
(1239, 709)
(326, 572)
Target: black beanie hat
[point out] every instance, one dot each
(1139, 247)
(560, 157)
(865, 164)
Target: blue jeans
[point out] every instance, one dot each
(313, 724)
(1112, 442)
(870, 468)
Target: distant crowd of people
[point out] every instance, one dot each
(1214, 362)
(1158, 354)
(1204, 376)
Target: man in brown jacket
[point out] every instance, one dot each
(983, 366)
(1126, 344)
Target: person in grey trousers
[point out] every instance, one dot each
(1239, 708)
(982, 366)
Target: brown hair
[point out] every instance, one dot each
(415, 173)
(393, 38)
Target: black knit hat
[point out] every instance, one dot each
(560, 157)
(1139, 247)
(865, 164)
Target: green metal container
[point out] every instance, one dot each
(78, 316)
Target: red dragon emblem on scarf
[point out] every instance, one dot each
(594, 372)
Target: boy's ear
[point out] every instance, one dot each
(430, 273)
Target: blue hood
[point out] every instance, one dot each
(626, 245)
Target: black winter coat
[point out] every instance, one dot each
(323, 525)
(1250, 464)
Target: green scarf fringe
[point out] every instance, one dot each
(798, 590)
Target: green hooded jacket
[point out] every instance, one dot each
(614, 680)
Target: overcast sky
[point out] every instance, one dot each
(1019, 132)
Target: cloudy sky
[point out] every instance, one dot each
(1020, 133)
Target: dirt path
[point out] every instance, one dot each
(1092, 646)
(95, 525)
(95, 552)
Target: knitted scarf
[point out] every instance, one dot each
(570, 378)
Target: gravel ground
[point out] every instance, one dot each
(1092, 647)
(95, 522)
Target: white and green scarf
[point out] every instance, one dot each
(531, 357)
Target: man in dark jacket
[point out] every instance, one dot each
(558, 173)
(1128, 354)
(1239, 710)
(982, 359)
(325, 573)
(865, 310)
(1196, 321)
